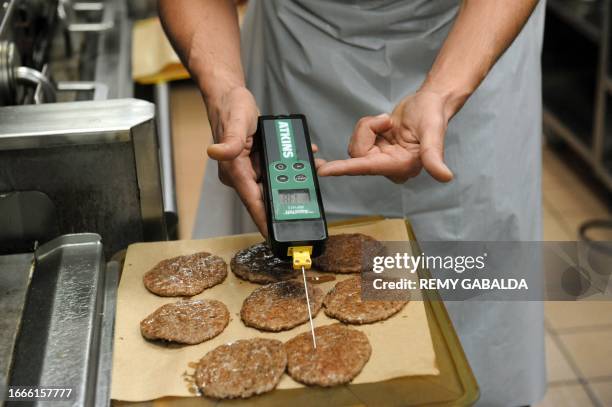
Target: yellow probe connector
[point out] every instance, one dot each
(301, 257)
(301, 260)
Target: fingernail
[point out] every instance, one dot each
(382, 115)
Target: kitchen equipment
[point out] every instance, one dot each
(65, 168)
(98, 162)
(55, 51)
(80, 179)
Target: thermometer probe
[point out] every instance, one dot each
(297, 229)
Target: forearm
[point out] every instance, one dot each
(481, 33)
(206, 36)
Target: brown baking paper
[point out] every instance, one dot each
(153, 59)
(144, 370)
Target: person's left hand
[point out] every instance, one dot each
(399, 145)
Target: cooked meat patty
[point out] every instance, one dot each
(258, 265)
(348, 253)
(186, 321)
(241, 369)
(279, 306)
(340, 355)
(344, 303)
(185, 275)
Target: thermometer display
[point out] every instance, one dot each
(294, 196)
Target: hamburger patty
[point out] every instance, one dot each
(340, 355)
(241, 369)
(344, 303)
(348, 253)
(280, 306)
(258, 265)
(185, 275)
(186, 321)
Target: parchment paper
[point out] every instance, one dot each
(143, 370)
(153, 59)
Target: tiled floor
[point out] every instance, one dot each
(579, 335)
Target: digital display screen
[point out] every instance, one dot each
(294, 196)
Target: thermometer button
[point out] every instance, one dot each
(300, 177)
(298, 166)
(280, 167)
(282, 178)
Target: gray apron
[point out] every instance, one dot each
(336, 61)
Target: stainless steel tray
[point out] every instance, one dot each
(65, 338)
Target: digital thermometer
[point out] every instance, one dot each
(295, 217)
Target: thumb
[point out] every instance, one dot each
(432, 156)
(232, 142)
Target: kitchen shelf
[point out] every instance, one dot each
(552, 123)
(583, 15)
(566, 96)
(577, 81)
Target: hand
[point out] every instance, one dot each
(233, 119)
(399, 145)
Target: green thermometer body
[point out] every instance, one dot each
(294, 209)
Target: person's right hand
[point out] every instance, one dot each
(233, 119)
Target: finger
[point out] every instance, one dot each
(365, 132)
(432, 156)
(252, 197)
(255, 158)
(374, 164)
(319, 162)
(314, 147)
(232, 141)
